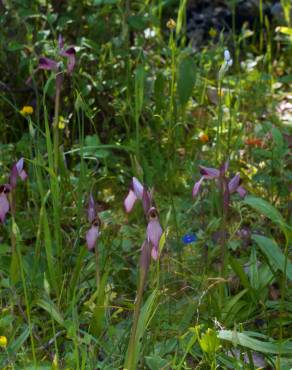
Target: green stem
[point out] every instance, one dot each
(129, 364)
(56, 126)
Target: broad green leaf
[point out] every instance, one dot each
(257, 345)
(145, 316)
(209, 341)
(186, 79)
(285, 30)
(156, 362)
(93, 147)
(98, 317)
(274, 254)
(50, 307)
(266, 209)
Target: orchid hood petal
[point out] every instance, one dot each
(91, 237)
(209, 172)
(4, 206)
(197, 186)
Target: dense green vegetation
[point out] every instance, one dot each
(103, 104)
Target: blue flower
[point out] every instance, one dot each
(189, 238)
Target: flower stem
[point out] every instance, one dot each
(56, 123)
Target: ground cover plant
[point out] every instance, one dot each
(145, 187)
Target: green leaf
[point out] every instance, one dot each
(93, 148)
(186, 79)
(156, 362)
(14, 46)
(237, 268)
(105, 2)
(14, 347)
(137, 22)
(255, 344)
(231, 303)
(274, 254)
(50, 307)
(98, 318)
(266, 209)
(209, 342)
(285, 30)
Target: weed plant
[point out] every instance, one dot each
(104, 98)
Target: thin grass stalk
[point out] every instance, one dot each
(56, 123)
(55, 191)
(16, 233)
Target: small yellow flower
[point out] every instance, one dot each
(212, 32)
(203, 137)
(3, 341)
(26, 110)
(171, 24)
(61, 123)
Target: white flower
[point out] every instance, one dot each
(225, 65)
(149, 33)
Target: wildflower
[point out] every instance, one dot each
(52, 65)
(154, 229)
(171, 24)
(189, 238)
(3, 341)
(212, 32)
(4, 203)
(226, 64)
(254, 142)
(93, 233)
(137, 191)
(149, 33)
(234, 186)
(203, 137)
(17, 171)
(209, 173)
(154, 232)
(48, 64)
(61, 123)
(26, 110)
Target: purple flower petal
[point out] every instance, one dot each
(241, 191)
(17, 171)
(48, 64)
(233, 184)
(91, 212)
(209, 173)
(71, 63)
(92, 236)
(154, 232)
(197, 186)
(145, 255)
(23, 175)
(130, 201)
(13, 176)
(60, 42)
(4, 206)
(138, 188)
(224, 168)
(146, 200)
(155, 253)
(70, 54)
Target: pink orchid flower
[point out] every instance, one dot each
(93, 233)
